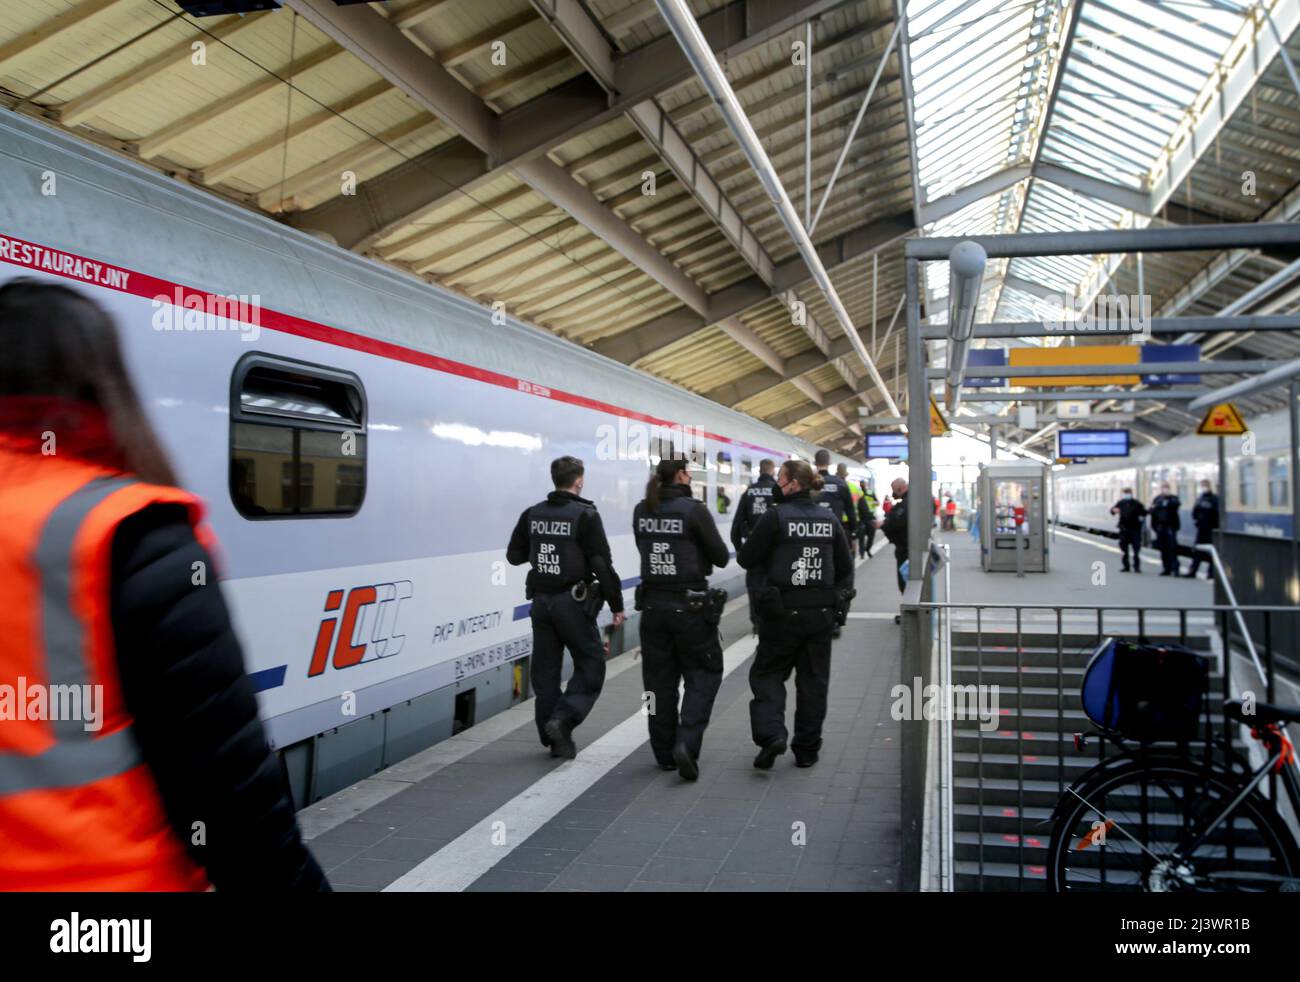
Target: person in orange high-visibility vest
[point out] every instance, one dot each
(131, 753)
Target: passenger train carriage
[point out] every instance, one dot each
(1258, 499)
(364, 443)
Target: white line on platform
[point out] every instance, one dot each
(870, 615)
(462, 861)
(1152, 555)
(344, 805)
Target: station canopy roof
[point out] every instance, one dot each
(562, 157)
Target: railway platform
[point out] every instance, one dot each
(489, 809)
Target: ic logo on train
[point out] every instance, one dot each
(363, 628)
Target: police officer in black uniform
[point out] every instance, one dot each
(839, 499)
(1205, 515)
(809, 580)
(680, 546)
(562, 537)
(1130, 512)
(1165, 525)
(754, 503)
(836, 495)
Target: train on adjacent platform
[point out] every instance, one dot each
(1258, 481)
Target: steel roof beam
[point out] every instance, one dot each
(655, 335)
(1085, 395)
(382, 46)
(1159, 325)
(681, 21)
(1242, 367)
(1181, 238)
(547, 121)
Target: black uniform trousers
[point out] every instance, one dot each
(800, 640)
(1203, 537)
(866, 536)
(1167, 543)
(560, 622)
(753, 578)
(1131, 539)
(678, 645)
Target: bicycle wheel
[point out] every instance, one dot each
(1124, 826)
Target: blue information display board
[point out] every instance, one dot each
(891, 445)
(1092, 443)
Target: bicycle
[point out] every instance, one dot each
(1163, 820)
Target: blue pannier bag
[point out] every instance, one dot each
(1145, 692)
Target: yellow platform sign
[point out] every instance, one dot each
(938, 425)
(1088, 354)
(1222, 420)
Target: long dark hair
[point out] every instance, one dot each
(59, 343)
(802, 471)
(662, 477)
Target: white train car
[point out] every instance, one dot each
(364, 443)
(1258, 499)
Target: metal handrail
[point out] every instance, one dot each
(1236, 608)
(945, 672)
(1245, 608)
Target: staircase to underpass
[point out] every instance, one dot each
(1008, 777)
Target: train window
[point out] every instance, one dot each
(297, 439)
(1277, 483)
(697, 462)
(726, 482)
(1246, 483)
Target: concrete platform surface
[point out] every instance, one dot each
(489, 809)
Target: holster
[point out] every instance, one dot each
(717, 601)
(587, 595)
(842, 601)
(638, 597)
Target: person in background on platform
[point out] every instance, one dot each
(975, 520)
(950, 515)
(836, 496)
(867, 505)
(724, 502)
(1165, 525)
(1205, 514)
(754, 503)
(99, 556)
(680, 547)
(808, 583)
(564, 540)
(1131, 512)
(895, 529)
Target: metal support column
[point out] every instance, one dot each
(807, 130)
(920, 513)
(1223, 478)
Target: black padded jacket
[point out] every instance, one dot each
(183, 679)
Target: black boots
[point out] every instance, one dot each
(686, 764)
(562, 744)
(770, 752)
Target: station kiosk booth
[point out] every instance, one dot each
(1013, 517)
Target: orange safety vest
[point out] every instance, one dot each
(79, 809)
